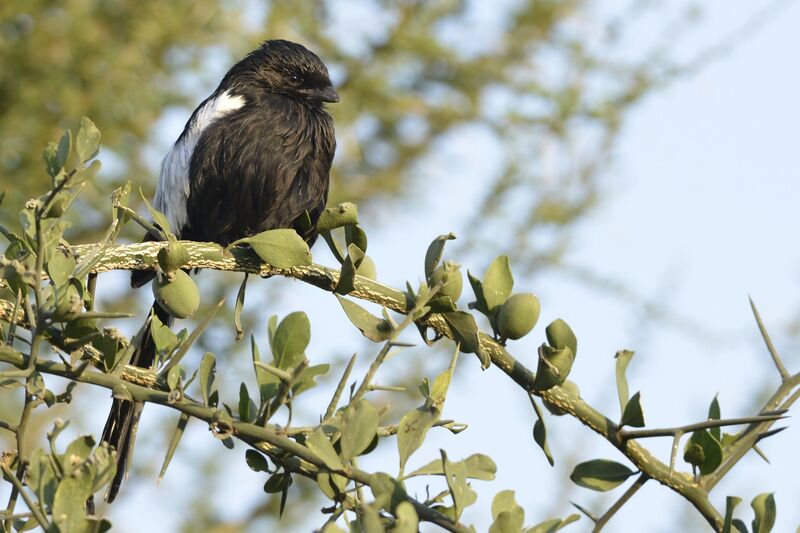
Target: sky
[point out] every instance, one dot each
(703, 195)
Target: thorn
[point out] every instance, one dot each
(770, 347)
(585, 511)
(769, 433)
(760, 453)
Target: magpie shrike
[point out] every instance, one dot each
(254, 156)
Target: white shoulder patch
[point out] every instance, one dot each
(173, 184)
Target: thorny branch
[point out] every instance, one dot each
(212, 256)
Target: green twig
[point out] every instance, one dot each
(32, 505)
(633, 489)
(337, 394)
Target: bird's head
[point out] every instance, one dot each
(286, 68)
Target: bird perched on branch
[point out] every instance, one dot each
(254, 156)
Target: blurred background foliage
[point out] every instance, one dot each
(542, 79)
(549, 82)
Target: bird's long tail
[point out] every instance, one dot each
(120, 428)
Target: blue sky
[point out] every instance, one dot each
(703, 198)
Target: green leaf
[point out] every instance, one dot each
(60, 268)
(415, 424)
(279, 248)
(553, 525)
(764, 507)
(291, 340)
(712, 450)
(412, 430)
(505, 500)
(85, 174)
(600, 474)
(173, 444)
(478, 466)
(633, 415)
(407, 519)
(456, 476)
(306, 379)
(319, 443)
(359, 426)
(374, 328)
(553, 367)
(623, 357)
(64, 149)
(78, 450)
(477, 288)
(256, 461)
(51, 161)
(540, 433)
(69, 513)
(715, 414)
(41, 477)
(208, 366)
(88, 142)
(158, 217)
(434, 253)
(337, 216)
(497, 282)
(174, 377)
(355, 236)
(465, 332)
(730, 504)
(247, 407)
(237, 309)
(277, 483)
(369, 521)
(272, 325)
(739, 525)
(507, 515)
(388, 492)
(347, 275)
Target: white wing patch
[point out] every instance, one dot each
(173, 185)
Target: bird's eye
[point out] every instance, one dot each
(294, 78)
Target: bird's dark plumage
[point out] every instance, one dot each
(254, 156)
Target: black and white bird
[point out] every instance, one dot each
(254, 156)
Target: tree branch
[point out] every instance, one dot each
(211, 256)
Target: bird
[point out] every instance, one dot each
(253, 156)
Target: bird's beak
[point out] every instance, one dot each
(328, 94)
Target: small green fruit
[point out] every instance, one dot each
(176, 293)
(560, 335)
(367, 268)
(449, 274)
(518, 315)
(172, 257)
